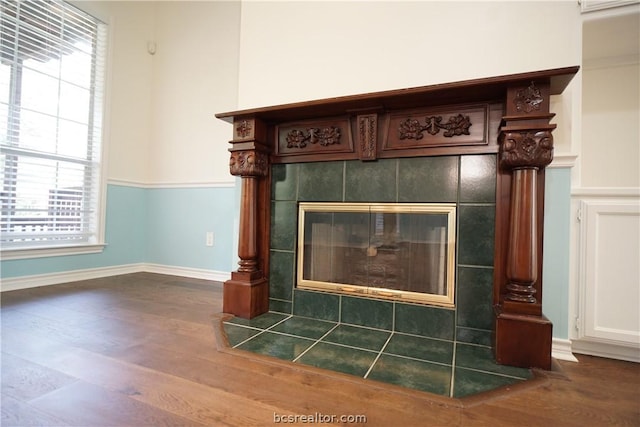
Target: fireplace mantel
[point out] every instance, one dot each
(507, 116)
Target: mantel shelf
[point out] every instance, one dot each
(475, 90)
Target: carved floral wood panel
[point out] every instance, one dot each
(457, 126)
(322, 136)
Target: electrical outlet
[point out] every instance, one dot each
(209, 238)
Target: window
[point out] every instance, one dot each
(51, 98)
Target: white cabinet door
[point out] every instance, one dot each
(610, 272)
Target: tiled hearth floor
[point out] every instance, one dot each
(442, 367)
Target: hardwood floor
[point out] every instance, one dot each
(140, 350)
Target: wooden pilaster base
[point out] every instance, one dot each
(246, 295)
(523, 340)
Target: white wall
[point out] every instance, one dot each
(296, 51)
(195, 77)
(161, 124)
(611, 124)
(610, 145)
(129, 86)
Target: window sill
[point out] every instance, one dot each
(26, 253)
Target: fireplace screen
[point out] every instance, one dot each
(384, 250)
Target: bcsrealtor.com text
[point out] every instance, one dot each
(318, 418)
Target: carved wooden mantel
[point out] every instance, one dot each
(505, 115)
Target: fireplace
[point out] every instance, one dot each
(396, 251)
(468, 156)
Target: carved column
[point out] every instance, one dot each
(523, 334)
(247, 293)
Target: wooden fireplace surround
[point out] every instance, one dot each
(508, 115)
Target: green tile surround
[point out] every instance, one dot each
(444, 367)
(434, 332)
(428, 179)
(469, 181)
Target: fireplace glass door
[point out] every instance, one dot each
(385, 250)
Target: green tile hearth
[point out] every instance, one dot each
(237, 334)
(439, 366)
(412, 373)
(439, 351)
(468, 382)
(367, 339)
(277, 345)
(263, 321)
(347, 360)
(304, 327)
(481, 358)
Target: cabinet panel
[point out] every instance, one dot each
(610, 271)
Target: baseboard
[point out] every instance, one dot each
(37, 280)
(194, 273)
(47, 279)
(608, 350)
(561, 349)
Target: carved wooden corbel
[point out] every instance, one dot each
(526, 149)
(248, 163)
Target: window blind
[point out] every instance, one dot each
(52, 60)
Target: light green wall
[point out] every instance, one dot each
(125, 236)
(177, 223)
(555, 275)
(162, 226)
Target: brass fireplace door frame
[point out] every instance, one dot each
(445, 300)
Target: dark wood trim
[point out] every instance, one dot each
(523, 340)
(264, 225)
(246, 294)
(501, 248)
(468, 91)
(522, 333)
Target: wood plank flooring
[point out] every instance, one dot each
(140, 350)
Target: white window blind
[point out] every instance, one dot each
(52, 59)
